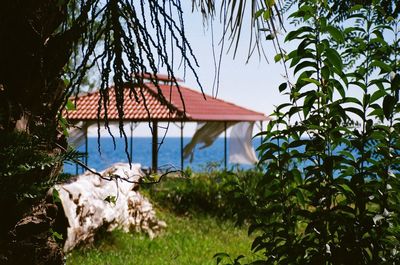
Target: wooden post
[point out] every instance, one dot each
(131, 143)
(155, 147)
(225, 148)
(182, 146)
(86, 148)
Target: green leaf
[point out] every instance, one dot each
(56, 196)
(278, 57)
(389, 19)
(57, 236)
(395, 83)
(356, 111)
(267, 14)
(384, 67)
(66, 82)
(308, 103)
(295, 34)
(311, 80)
(356, 8)
(352, 100)
(236, 260)
(220, 256)
(303, 65)
(339, 87)
(336, 34)
(297, 176)
(282, 87)
(258, 13)
(377, 113)
(346, 188)
(334, 58)
(64, 125)
(377, 95)
(270, 3)
(388, 105)
(270, 37)
(70, 105)
(300, 197)
(325, 72)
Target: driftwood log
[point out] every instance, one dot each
(91, 203)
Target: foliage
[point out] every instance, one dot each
(331, 190)
(186, 240)
(24, 172)
(25, 168)
(214, 193)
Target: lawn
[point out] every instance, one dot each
(198, 214)
(187, 240)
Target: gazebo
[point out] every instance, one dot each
(178, 106)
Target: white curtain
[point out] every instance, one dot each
(76, 133)
(206, 133)
(241, 150)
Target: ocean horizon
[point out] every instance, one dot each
(169, 154)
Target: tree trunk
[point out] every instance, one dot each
(32, 57)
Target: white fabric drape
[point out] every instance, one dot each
(240, 147)
(241, 150)
(77, 133)
(206, 133)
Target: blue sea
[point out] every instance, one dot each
(169, 154)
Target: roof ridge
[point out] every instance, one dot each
(227, 102)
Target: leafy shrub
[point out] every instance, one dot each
(213, 192)
(330, 194)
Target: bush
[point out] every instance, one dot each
(214, 193)
(331, 190)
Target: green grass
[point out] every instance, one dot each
(186, 240)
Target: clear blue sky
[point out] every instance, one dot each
(253, 85)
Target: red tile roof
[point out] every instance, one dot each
(198, 107)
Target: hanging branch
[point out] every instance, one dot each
(126, 38)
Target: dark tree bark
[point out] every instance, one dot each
(31, 66)
(33, 53)
(37, 39)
